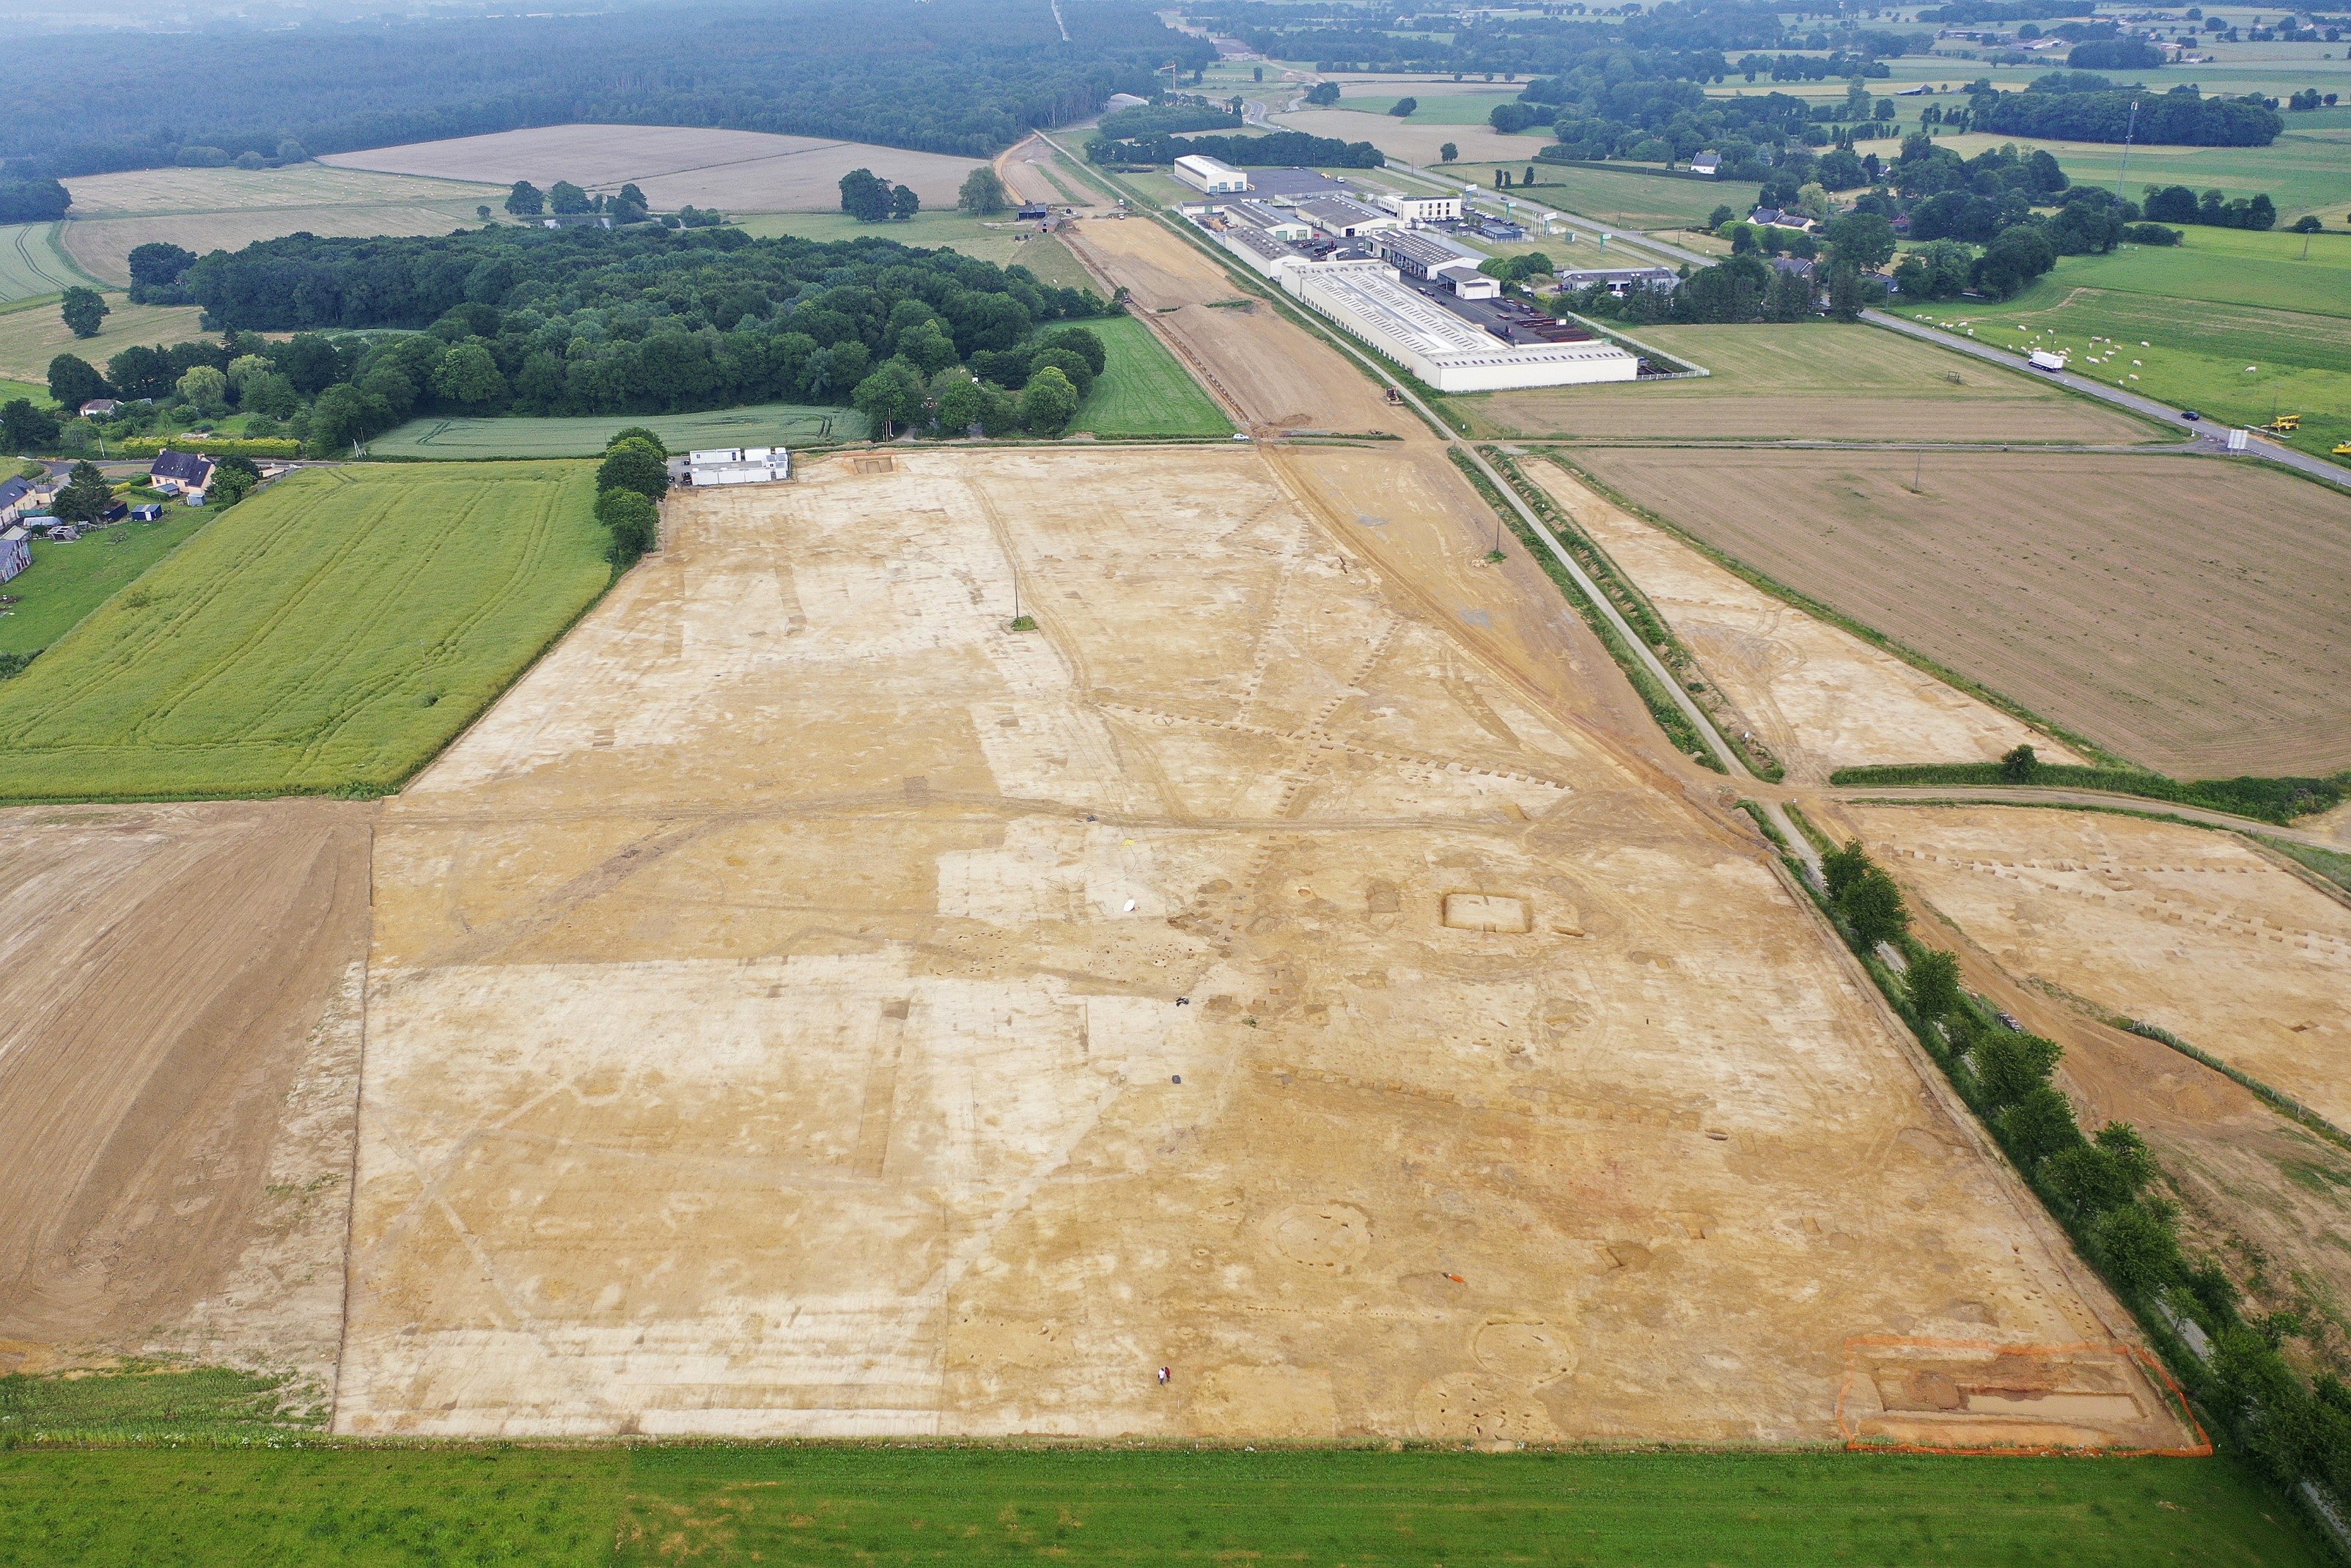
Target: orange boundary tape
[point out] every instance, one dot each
(1855, 1443)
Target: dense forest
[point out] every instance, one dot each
(964, 76)
(1280, 149)
(595, 321)
(2182, 117)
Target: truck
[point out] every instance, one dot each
(2043, 359)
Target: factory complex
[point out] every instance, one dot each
(1364, 261)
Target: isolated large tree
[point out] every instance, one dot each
(83, 309)
(565, 197)
(525, 201)
(982, 192)
(864, 196)
(903, 202)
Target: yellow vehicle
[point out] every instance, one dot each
(2344, 450)
(2284, 424)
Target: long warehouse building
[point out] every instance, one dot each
(1445, 350)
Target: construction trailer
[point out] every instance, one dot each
(737, 465)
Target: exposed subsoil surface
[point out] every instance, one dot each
(2269, 1198)
(179, 1044)
(1819, 697)
(2123, 911)
(806, 1005)
(2188, 613)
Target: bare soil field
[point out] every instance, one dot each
(31, 337)
(227, 209)
(2060, 948)
(179, 1066)
(2192, 616)
(806, 1005)
(2119, 909)
(1818, 696)
(1814, 381)
(734, 170)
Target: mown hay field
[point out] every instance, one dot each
(734, 170)
(32, 337)
(1817, 380)
(2232, 324)
(576, 1506)
(1145, 390)
(586, 435)
(31, 263)
(2191, 614)
(227, 209)
(332, 632)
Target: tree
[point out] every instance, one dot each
(2020, 766)
(2306, 225)
(631, 468)
(892, 396)
(2015, 257)
(205, 387)
(526, 200)
(74, 381)
(865, 197)
(2038, 1125)
(1401, 109)
(982, 192)
(959, 400)
(1789, 297)
(1448, 153)
(158, 265)
(1048, 402)
(234, 479)
(467, 375)
(83, 309)
(1934, 984)
(1719, 216)
(1841, 868)
(1323, 94)
(903, 202)
(640, 434)
(1847, 294)
(564, 196)
(1875, 907)
(86, 495)
(1257, 73)
(2010, 1065)
(26, 428)
(634, 523)
(1865, 239)
(2140, 1249)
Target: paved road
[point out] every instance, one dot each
(2208, 439)
(2005, 795)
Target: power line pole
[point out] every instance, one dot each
(2128, 132)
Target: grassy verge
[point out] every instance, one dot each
(2273, 800)
(2333, 866)
(329, 634)
(151, 1403)
(68, 579)
(1143, 389)
(463, 1506)
(586, 435)
(1660, 703)
(1642, 615)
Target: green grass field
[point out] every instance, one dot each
(1145, 390)
(1438, 108)
(2304, 171)
(762, 425)
(32, 264)
(31, 392)
(2233, 324)
(260, 1508)
(334, 632)
(67, 581)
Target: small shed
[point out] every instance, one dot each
(15, 551)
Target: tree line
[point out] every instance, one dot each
(962, 76)
(577, 321)
(1280, 149)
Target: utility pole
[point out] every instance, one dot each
(2129, 130)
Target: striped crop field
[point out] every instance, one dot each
(585, 435)
(1143, 389)
(330, 634)
(32, 265)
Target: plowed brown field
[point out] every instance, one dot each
(2190, 614)
(806, 1006)
(179, 1061)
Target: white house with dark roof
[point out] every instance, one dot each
(182, 470)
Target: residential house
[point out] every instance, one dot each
(1707, 165)
(15, 551)
(1774, 217)
(98, 408)
(190, 471)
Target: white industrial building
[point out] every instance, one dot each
(1288, 227)
(1444, 349)
(1345, 218)
(1420, 209)
(1210, 174)
(737, 465)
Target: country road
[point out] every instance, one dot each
(2316, 468)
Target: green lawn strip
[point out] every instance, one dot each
(153, 1403)
(68, 579)
(38, 396)
(1368, 1508)
(1837, 618)
(1145, 390)
(2273, 800)
(330, 635)
(299, 1507)
(1643, 616)
(585, 435)
(1653, 696)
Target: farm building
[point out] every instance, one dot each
(737, 465)
(1617, 278)
(1445, 346)
(15, 551)
(1210, 174)
(1707, 165)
